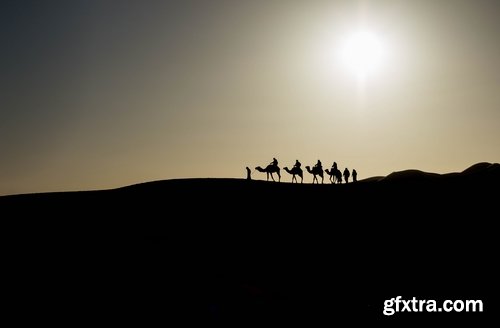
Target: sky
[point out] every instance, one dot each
(98, 94)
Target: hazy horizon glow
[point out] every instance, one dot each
(102, 94)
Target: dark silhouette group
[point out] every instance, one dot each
(335, 175)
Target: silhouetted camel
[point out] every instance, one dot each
(315, 171)
(295, 171)
(270, 169)
(331, 174)
(335, 175)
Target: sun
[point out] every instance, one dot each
(362, 52)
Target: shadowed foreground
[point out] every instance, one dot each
(238, 251)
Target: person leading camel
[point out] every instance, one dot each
(249, 173)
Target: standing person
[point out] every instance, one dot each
(354, 175)
(346, 175)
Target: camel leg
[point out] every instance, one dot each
(279, 176)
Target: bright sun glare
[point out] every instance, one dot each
(362, 53)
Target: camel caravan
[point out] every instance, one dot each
(335, 175)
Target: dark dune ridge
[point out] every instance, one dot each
(238, 251)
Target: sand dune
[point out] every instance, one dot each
(237, 251)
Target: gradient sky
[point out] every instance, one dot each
(102, 94)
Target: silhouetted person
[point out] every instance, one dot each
(274, 162)
(354, 176)
(249, 172)
(297, 164)
(318, 165)
(334, 166)
(346, 175)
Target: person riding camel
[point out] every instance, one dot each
(297, 164)
(274, 162)
(334, 166)
(318, 165)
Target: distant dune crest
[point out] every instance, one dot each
(484, 173)
(483, 169)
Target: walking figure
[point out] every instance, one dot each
(346, 175)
